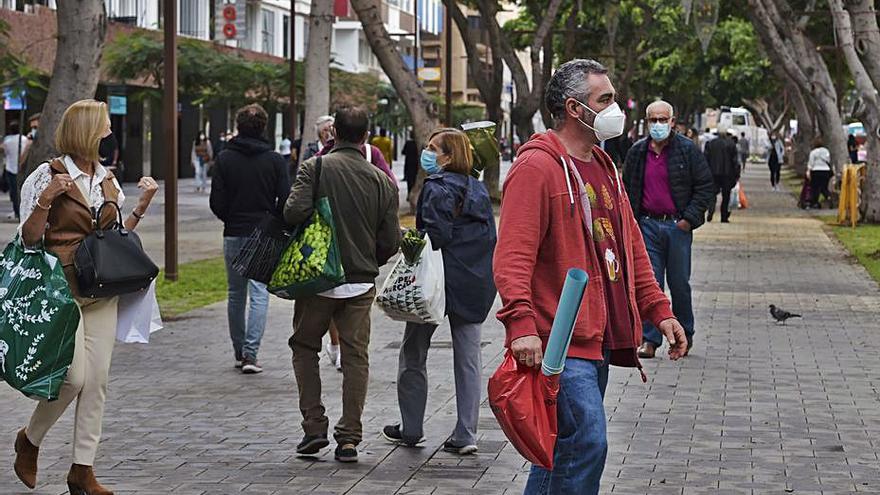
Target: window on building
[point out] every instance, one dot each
(474, 22)
(126, 11)
(285, 35)
(192, 13)
(268, 31)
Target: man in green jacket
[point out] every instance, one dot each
(364, 205)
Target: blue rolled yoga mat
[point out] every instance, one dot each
(563, 325)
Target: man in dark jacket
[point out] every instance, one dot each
(364, 204)
(669, 187)
(250, 182)
(723, 158)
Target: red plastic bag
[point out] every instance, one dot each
(524, 402)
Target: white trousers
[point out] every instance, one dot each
(86, 382)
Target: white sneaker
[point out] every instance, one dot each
(250, 367)
(338, 360)
(332, 352)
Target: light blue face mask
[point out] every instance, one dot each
(659, 132)
(428, 161)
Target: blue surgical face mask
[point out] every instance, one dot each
(429, 162)
(659, 132)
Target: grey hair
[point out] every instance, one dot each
(570, 81)
(323, 119)
(660, 104)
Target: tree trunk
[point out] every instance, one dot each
(806, 131)
(488, 78)
(317, 70)
(868, 93)
(867, 36)
(774, 21)
(414, 97)
(528, 96)
(82, 27)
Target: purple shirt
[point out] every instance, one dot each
(656, 194)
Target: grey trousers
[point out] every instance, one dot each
(412, 379)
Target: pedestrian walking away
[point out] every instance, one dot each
(366, 242)
(57, 204)
(775, 160)
(819, 172)
(201, 157)
(410, 162)
(377, 158)
(456, 212)
(723, 161)
(13, 147)
(250, 183)
(669, 187)
(742, 145)
(562, 184)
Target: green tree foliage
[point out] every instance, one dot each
(653, 53)
(216, 75)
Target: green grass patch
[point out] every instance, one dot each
(199, 284)
(863, 242)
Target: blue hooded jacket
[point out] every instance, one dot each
(456, 212)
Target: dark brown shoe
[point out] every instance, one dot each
(26, 455)
(81, 481)
(647, 350)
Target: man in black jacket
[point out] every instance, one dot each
(669, 187)
(364, 205)
(723, 158)
(250, 182)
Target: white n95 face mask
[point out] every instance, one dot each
(608, 123)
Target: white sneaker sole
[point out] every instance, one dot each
(250, 369)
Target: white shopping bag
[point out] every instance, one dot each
(734, 198)
(138, 316)
(416, 292)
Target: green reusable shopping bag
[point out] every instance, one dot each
(38, 321)
(311, 263)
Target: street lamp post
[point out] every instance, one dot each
(169, 115)
(293, 128)
(448, 27)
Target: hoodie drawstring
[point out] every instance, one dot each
(568, 185)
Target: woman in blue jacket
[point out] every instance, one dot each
(456, 212)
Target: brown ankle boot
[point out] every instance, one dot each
(26, 455)
(81, 481)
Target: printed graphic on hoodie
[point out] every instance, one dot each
(606, 241)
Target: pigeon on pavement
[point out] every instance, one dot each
(780, 314)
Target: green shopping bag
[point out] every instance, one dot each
(311, 263)
(38, 321)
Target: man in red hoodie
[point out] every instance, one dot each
(565, 206)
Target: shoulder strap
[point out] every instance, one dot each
(316, 181)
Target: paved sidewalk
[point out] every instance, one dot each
(755, 409)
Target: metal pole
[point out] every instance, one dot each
(293, 115)
(169, 115)
(448, 27)
(418, 31)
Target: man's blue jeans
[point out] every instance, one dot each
(245, 339)
(669, 248)
(582, 445)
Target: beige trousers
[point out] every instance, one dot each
(86, 381)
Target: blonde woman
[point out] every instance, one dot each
(56, 206)
(456, 212)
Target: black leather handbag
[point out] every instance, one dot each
(112, 262)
